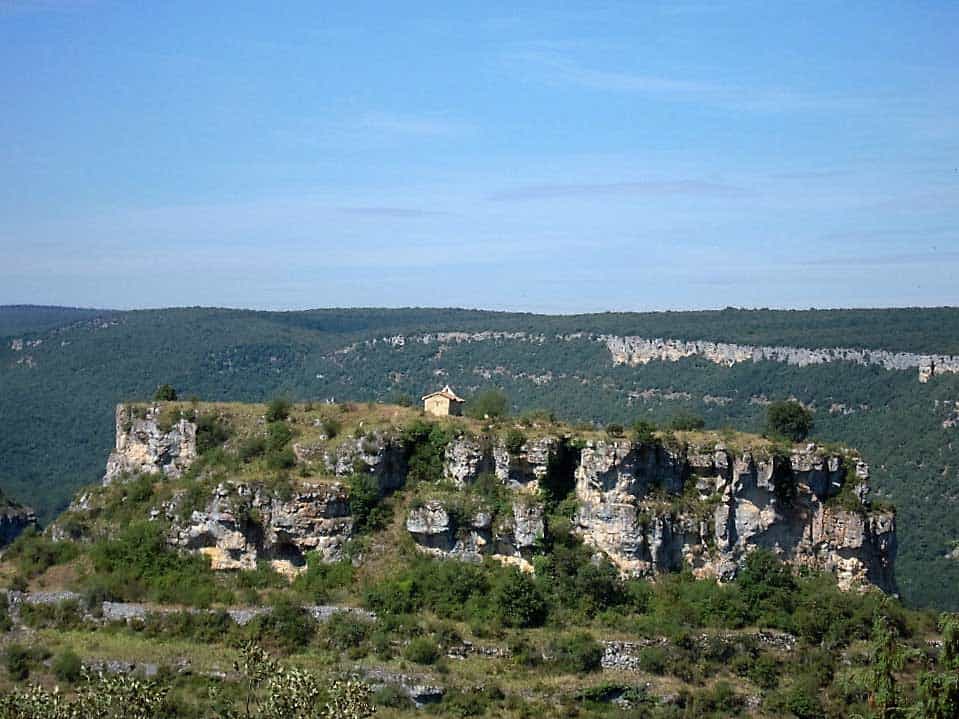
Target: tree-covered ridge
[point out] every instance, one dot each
(55, 416)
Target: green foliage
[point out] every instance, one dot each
(644, 432)
(67, 666)
(278, 409)
(277, 435)
(34, 553)
(686, 422)
(492, 403)
(515, 439)
(576, 653)
(251, 356)
(165, 393)
(425, 444)
(365, 497)
(211, 432)
(287, 628)
(320, 578)
(789, 419)
(517, 600)
(422, 650)
(138, 565)
(251, 448)
(614, 429)
(939, 688)
(18, 660)
(344, 631)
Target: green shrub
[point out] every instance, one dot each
(422, 650)
(251, 448)
(524, 653)
(644, 432)
(331, 427)
(515, 440)
(211, 432)
(576, 653)
(425, 447)
(34, 553)
(320, 577)
(365, 498)
(391, 596)
(165, 393)
(344, 631)
(517, 600)
(653, 660)
(466, 703)
(19, 660)
(615, 430)
(67, 666)
(277, 436)
(280, 459)
(62, 615)
(686, 422)
(788, 419)
(278, 409)
(491, 403)
(137, 564)
(394, 698)
(288, 627)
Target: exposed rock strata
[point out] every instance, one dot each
(510, 539)
(242, 524)
(634, 350)
(637, 506)
(144, 447)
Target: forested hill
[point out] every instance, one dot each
(62, 371)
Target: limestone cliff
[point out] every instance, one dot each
(695, 500)
(653, 509)
(149, 443)
(241, 524)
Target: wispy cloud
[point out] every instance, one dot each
(547, 65)
(932, 257)
(390, 212)
(650, 188)
(371, 130)
(44, 5)
(420, 125)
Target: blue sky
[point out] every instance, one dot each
(551, 157)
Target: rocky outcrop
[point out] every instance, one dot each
(522, 467)
(377, 453)
(528, 467)
(641, 350)
(145, 446)
(14, 519)
(241, 525)
(466, 458)
(439, 530)
(633, 350)
(652, 510)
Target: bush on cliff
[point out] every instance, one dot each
(491, 403)
(137, 564)
(788, 419)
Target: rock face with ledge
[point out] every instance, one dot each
(143, 446)
(510, 539)
(650, 508)
(653, 510)
(243, 524)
